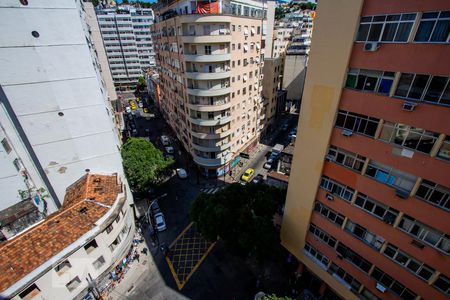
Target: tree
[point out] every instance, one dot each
(144, 164)
(242, 217)
(275, 297)
(279, 13)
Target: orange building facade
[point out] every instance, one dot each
(367, 211)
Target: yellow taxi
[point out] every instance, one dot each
(132, 104)
(247, 175)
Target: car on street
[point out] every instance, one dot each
(128, 110)
(145, 110)
(160, 222)
(247, 175)
(155, 208)
(259, 178)
(181, 173)
(132, 104)
(285, 127)
(169, 149)
(269, 163)
(168, 156)
(165, 140)
(141, 105)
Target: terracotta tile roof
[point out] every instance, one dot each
(278, 176)
(31, 249)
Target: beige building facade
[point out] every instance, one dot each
(210, 75)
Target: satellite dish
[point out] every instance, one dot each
(39, 203)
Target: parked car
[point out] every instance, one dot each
(140, 104)
(285, 127)
(145, 109)
(160, 222)
(155, 208)
(247, 175)
(169, 150)
(165, 140)
(259, 178)
(181, 173)
(168, 156)
(132, 104)
(128, 110)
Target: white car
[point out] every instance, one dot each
(165, 140)
(128, 109)
(169, 149)
(141, 105)
(181, 173)
(160, 222)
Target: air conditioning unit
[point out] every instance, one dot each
(330, 197)
(401, 193)
(347, 132)
(329, 157)
(409, 106)
(371, 46)
(380, 287)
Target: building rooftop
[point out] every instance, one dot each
(289, 149)
(85, 202)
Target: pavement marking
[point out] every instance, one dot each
(186, 253)
(211, 190)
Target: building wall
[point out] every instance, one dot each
(330, 52)
(294, 75)
(408, 242)
(53, 85)
(272, 70)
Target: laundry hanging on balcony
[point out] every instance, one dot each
(207, 7)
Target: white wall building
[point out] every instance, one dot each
(56, 121)
(127, 39)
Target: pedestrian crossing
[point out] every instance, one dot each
(210, 190)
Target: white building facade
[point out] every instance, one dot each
(128, 42)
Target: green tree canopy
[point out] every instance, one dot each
(242, 217)
(144, 164)
(275, 297)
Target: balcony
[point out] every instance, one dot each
(210, 136)
(209, 148)
(209, 162)
(208, 76)
(204, 39)
(209, 92)
(212, 122)
(208, 107)
(207, 57)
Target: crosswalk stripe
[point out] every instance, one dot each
(210, 191)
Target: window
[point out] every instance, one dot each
(99, 262)
(344, 277)
(91, 246)
(239, 46)
(375, 208)
(233, 46)
(444, 151)
(434, 194)
(331, 215)
(316, 256)
(346, 158)
(385, 28)
(409, 137)
(370, 81)
(358, 123)
(73, 284)
(63, 267)
(6, 146)
(443, 284)
(114, 244)
(16, 164)
(232, 64)
(353, 257)
(258, 29)
(325, 237)
(337, 188)
(387, 175)
(207, 50)
(368, 295)
(389, 282)
(433, 89)
(117, 219)
(233, 27)
(363, 234)
(434, 27)
(418, 268)
(109, 228)
(30, 292)
(435, 238)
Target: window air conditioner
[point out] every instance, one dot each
(409, 106)
(401, 193)
(347, 132)
(328, 157)
(380, 287)
(330, 197)
(371, 46)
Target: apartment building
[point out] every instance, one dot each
(126, 35)
(367, 210)
(209, 57)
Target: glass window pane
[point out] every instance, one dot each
(371, 83)
(351, 81)
(418, 86)
(386, 132)
(362, 32)
(404, 84)
(393, 18)
(389, 32)
(441, 31)
(406, 17)
(445, 99)
(403, 31)
(435, 88)
(424, 31)
(385, 86)
(360, 82)
(375, 32)
(425, 273)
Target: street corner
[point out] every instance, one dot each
(186, 253)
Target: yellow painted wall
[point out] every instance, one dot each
(335, 27)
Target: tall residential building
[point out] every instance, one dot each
(209, 56)
(128, 42)
(57, 136)
(367, 211)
